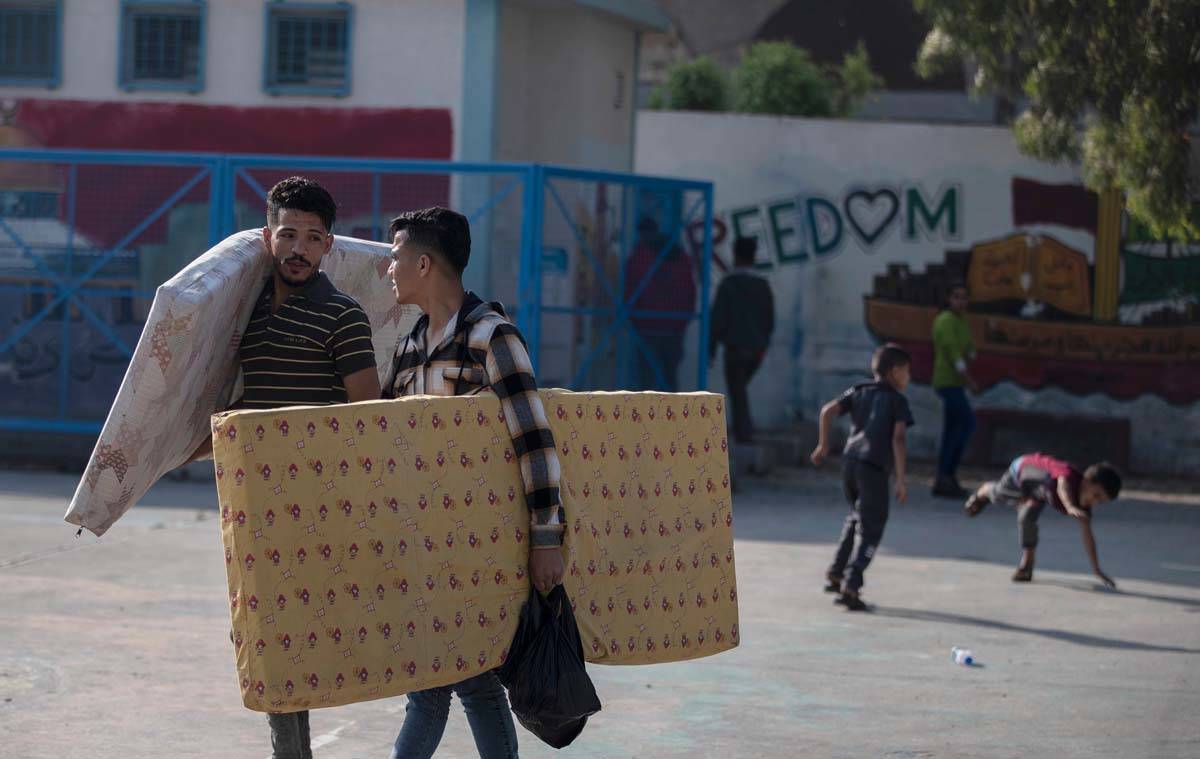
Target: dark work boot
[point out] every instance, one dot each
(851, 600)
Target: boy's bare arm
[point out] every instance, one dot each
(1068, 500)
(900, 453)
(1089, 547)
(828, 412)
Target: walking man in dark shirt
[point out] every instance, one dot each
(743, 318)
(879, 422)
(307, 344)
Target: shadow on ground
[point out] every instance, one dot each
(1136, 539)
(1082, 639)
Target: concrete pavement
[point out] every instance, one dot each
(117, 647)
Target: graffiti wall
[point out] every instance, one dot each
(863, 228)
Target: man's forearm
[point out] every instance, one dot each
(511, 377)
(203, 451)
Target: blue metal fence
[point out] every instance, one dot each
(608, 272)
(632, 258)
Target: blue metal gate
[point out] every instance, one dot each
(608, 273)
(620, 279)
(75, 231)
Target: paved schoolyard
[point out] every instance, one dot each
(117, 647)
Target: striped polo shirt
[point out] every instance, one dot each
(298, 355)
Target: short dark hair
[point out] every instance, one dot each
(745, 249)
(1106, 476)
(301, 194)
(888, 357)
(447, 233)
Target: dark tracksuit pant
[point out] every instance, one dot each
(866, 489)
(739, 370)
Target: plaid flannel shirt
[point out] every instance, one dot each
(487, 352)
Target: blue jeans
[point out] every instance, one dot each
(487, 709)
(289, 736)
(958, 424)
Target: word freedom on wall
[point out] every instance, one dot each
(808, 226)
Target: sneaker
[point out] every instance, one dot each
(833, 583)
(1023, 574)
(975, 504)
(851, 601)
(946, 487)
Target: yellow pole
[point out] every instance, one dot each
(1108, 256)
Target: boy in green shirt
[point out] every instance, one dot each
(953, 348)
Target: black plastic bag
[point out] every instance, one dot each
(548, 686)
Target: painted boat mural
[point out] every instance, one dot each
(1042, 315)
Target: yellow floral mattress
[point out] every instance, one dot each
(380, 548)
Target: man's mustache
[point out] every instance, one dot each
(297, 260)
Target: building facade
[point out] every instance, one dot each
(529, 80)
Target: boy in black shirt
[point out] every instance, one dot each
(880, 418)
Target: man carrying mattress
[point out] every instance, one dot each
(307, 344)
(462, 346)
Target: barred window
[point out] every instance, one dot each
(163, 45)
(29, 42)
(308, 48)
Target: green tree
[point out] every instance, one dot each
(855, 80)
(782, 79)
(695, 85)
(1112, 84)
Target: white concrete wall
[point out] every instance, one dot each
(406, 54)
(564, 94)
(821, 344)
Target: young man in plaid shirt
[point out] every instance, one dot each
(460, 346)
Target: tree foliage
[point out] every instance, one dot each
(1113, 84)
(775, 78)
(696, 85)
(855, 80)
(782, 79)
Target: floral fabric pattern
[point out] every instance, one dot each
(379, 548)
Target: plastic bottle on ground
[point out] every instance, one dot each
(962, 656)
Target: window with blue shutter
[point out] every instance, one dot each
(308, 48)
(162, 45)
(30, 42)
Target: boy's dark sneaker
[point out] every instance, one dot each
(948, 487)
(851, 601)
(833, 583)
(1023, 574)
(975, 504)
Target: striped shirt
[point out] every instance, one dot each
(484, 351)
(298, 355)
